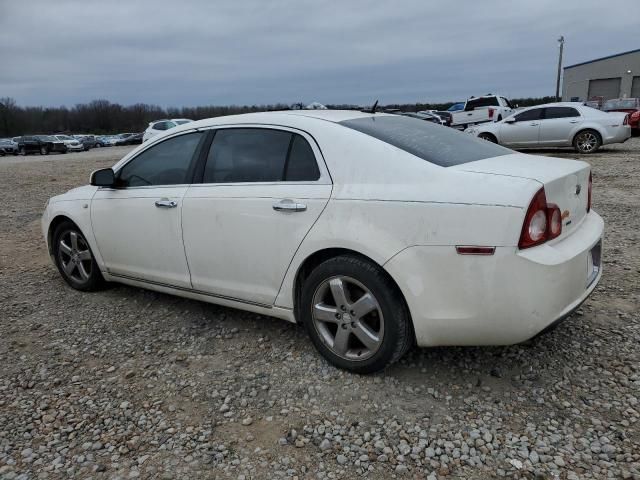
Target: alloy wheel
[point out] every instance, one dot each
(587, 141)
(348, 318)
(75, 256)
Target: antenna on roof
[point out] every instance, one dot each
(375, 106)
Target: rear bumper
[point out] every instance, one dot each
(501, 299)
(620, 135)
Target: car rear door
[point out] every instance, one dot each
(559, 125)
(524, 131)
(138, 225)
(262, 188)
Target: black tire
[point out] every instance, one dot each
(587, 141)
(397, 336)
(44, 150)
(22, 151)
(93, 279)
(488, 137)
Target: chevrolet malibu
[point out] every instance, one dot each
(374, 231)
(557, 125)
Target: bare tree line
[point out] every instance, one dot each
(104, 117)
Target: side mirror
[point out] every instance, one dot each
(102, 178)
(509, 120)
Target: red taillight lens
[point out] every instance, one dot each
(589, 192)
(555, 221)
(534, 229)
(491, 110)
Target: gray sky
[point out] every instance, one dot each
(198, 52)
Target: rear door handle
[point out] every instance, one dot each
(288, 205)
(166, 203)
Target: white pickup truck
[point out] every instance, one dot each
(489, 108)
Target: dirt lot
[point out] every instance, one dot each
(127, 383)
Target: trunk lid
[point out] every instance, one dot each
(566, 182)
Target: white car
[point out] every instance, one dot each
(72, 144)
(557, 125)
(375, 231)
(160, 126)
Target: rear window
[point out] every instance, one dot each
(481, 103)
(436, 144)
(620, 103)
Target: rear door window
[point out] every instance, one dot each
(431, 142)
(560, 112)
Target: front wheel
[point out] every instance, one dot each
(355, 315)
(44, 150)
(587, 141)
(22, 151)
(488, 137)
(74, 258)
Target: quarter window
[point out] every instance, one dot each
(240, 155)
(533, 114)
(560, 112)
(167, 163)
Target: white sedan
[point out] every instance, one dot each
(375, 231)
(568, 124)
(160, 126)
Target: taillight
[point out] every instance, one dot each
(491, 110)
(589, 188)
(541, 223)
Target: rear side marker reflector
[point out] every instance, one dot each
(463, 250)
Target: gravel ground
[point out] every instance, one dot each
(129, 383)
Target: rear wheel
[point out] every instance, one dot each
(355, 315)
(488, 137)
(74, 258)
(587, 141)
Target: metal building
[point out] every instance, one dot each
(615, 76)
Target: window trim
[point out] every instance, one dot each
(117, 168)
(324, 179)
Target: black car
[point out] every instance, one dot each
(129, 139)
(43, 144)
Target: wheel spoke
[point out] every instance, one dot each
(338, 292)
(368, 338)
(83, 272)
(66, 249)
(325, 313)
(74, 240)
(364, 305)
(69, 268)
(84, 255)
(341, 341)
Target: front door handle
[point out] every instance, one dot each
(166, 203)
(288, 205)
(573, 121)
(534, 124)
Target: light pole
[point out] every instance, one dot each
(561, 45)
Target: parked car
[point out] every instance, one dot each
(375, 231)
(8, 146)
(129, 139)
(72, 144)
(444, 117)
(557, 125)
(456, 107)
(88, 141)
(163, 125)
(490, 108)
(627, 105)
(43, 144)
(106, 140)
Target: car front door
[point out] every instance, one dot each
(137, 224)
(559, 125)
(523, 131)
(261, 191)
